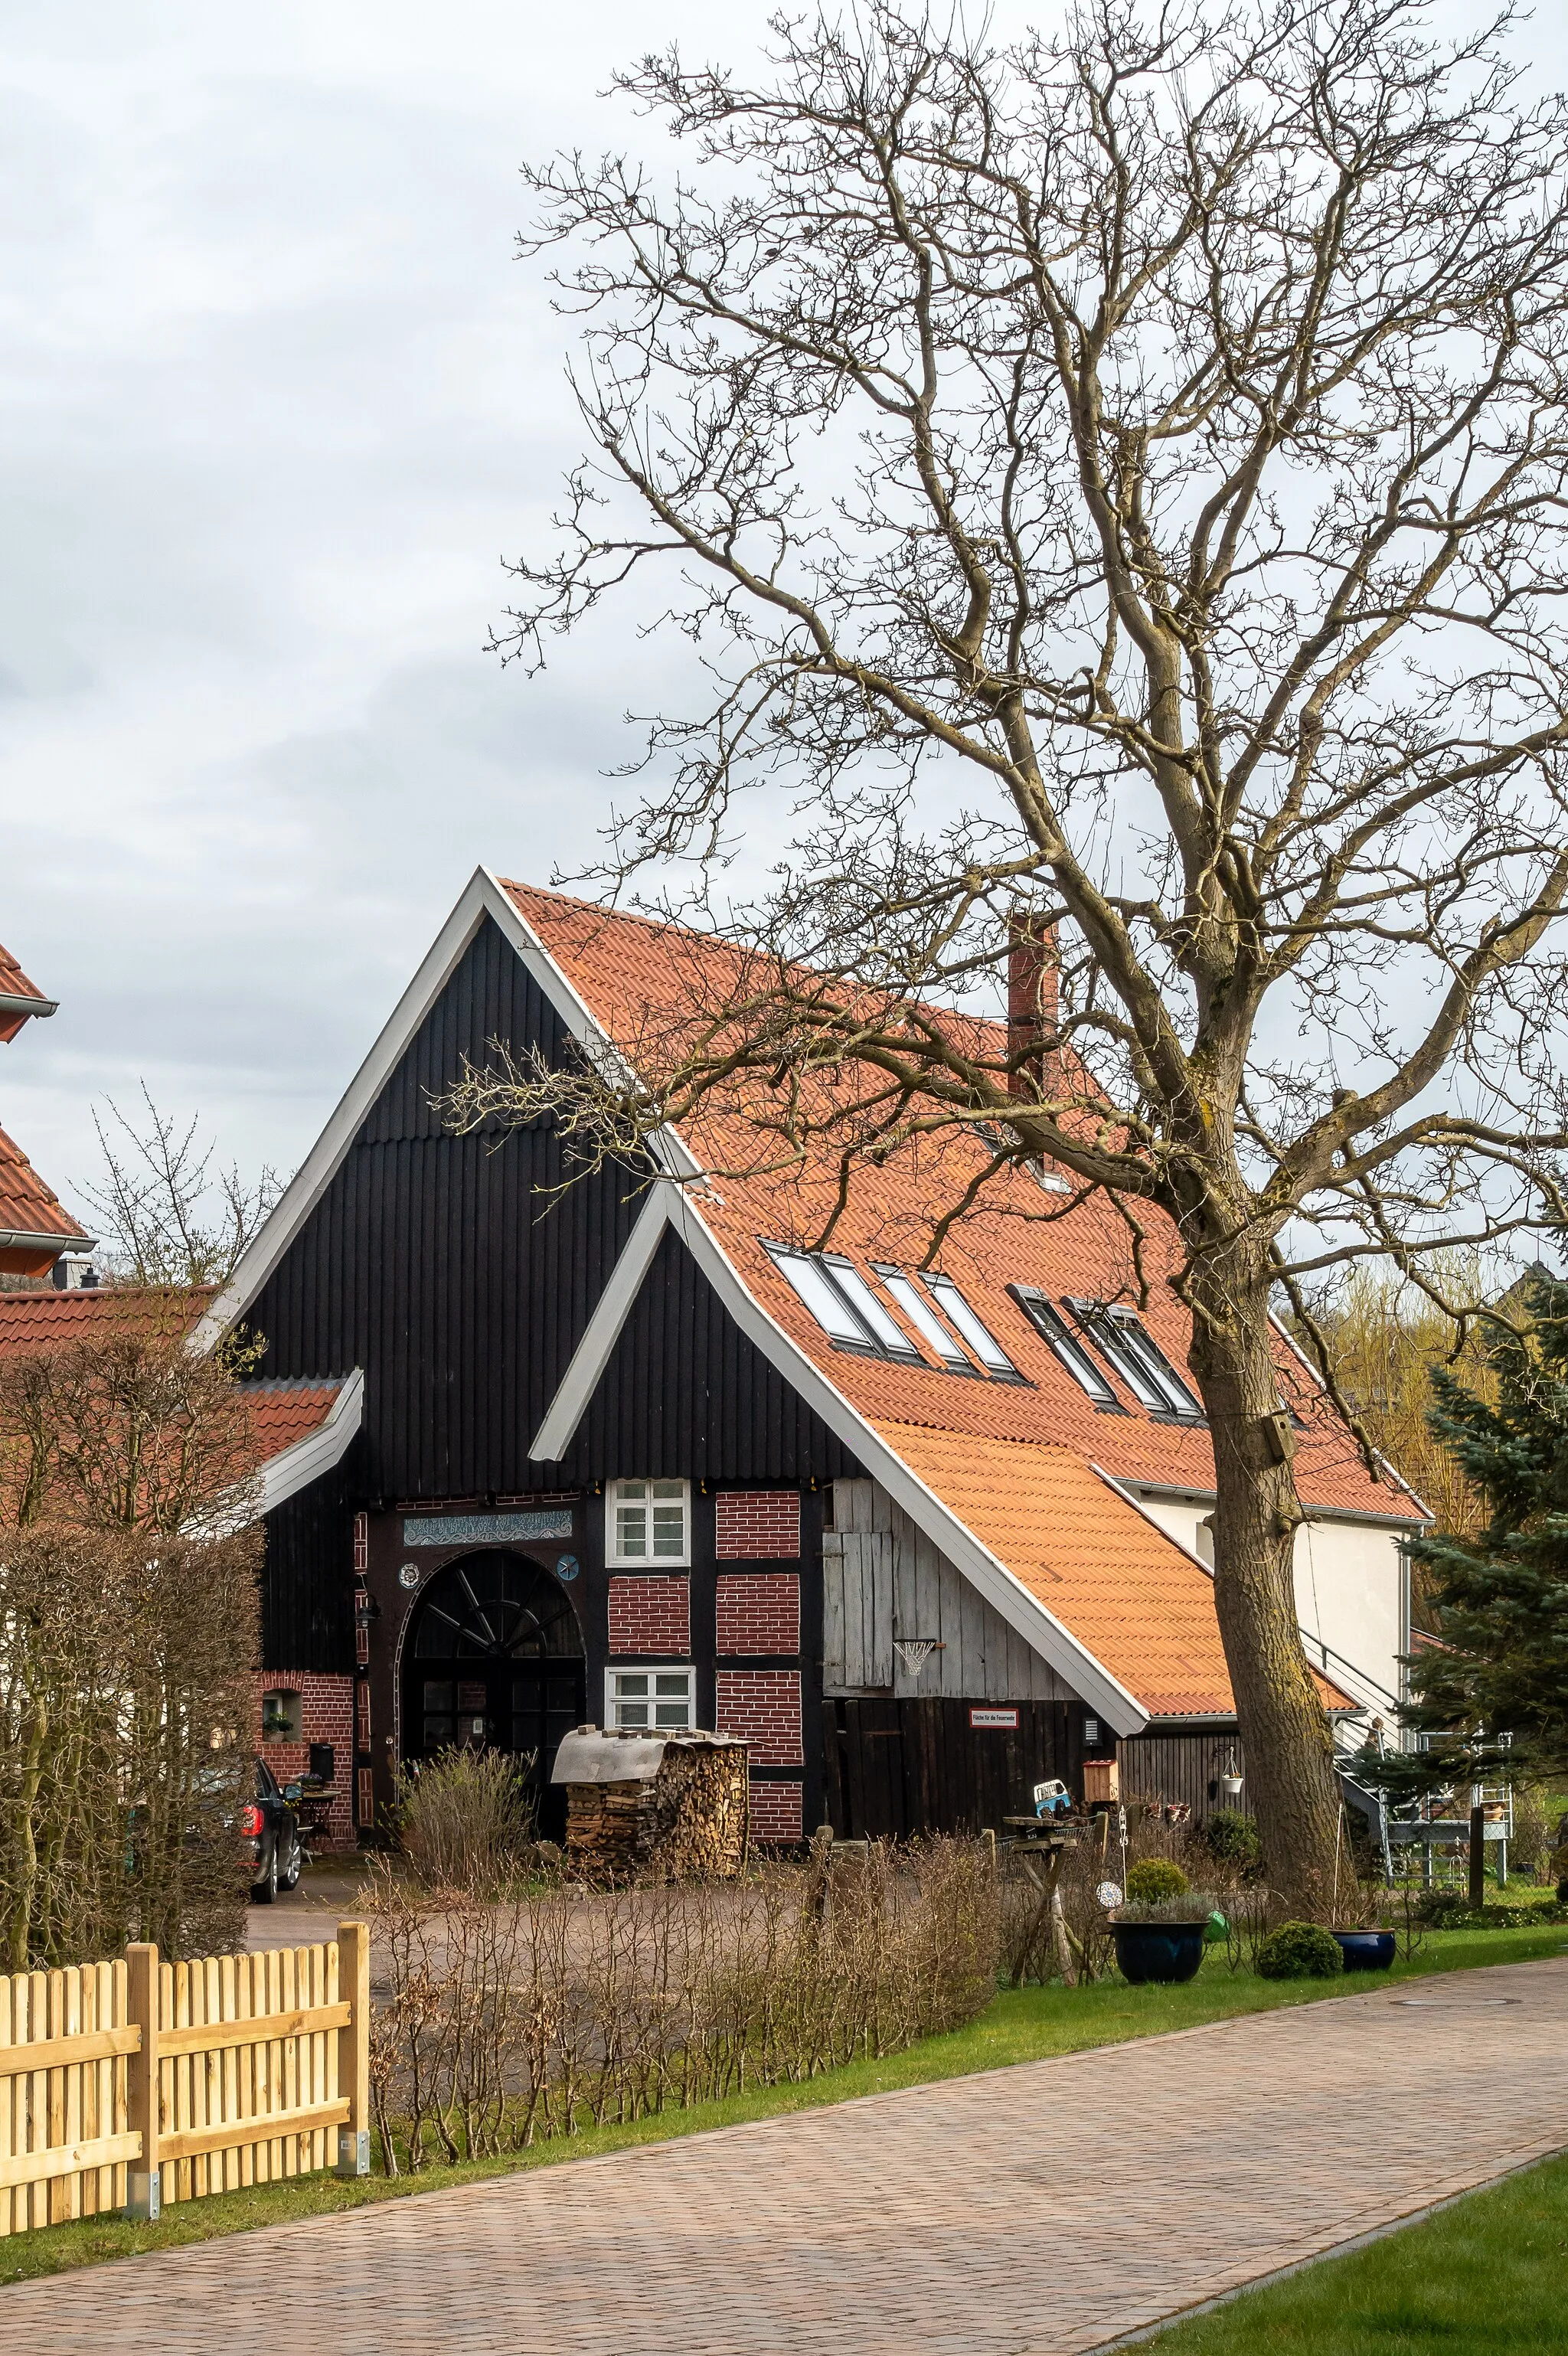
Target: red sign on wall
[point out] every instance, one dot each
(1007, 1718)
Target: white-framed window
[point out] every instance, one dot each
(649, 1522)
(656, 1700)
(979, 1336)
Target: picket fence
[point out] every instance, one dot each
(129, 2085)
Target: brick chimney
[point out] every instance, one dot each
(1032, 997)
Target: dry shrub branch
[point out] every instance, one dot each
(508, 2022)
(128, 1632)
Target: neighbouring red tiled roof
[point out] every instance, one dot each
(14, 983)
(50, 1320)
(27, 1206)
(32, 1322)
(285, 1413)
(1007, 1459)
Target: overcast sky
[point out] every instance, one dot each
(277, 399)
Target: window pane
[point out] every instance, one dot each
(670, 1488)
(631, 1713)
(1137, 1338)
(869, 1310)
(1069, 1351)
(631, 1531)
(628, 1684)
(984, 1343)
(1093, 1317)
(821, 1296)
(669, 1529)
(676, 1682)
(918, 1309)
(670, 1713)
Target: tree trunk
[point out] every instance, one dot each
(1284, 1732)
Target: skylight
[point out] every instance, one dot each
(843, 1303)
(884, 1329)
(918, 1309)
(1069, 1349)
(1143, 1365)
(826, 1303)
(980, 1338)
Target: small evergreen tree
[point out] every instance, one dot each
(1499, 1667)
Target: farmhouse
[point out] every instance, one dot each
(632, 1452)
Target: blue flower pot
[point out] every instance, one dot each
(1159, 1951)
(1367, 1951)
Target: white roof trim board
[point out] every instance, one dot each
(305, 1461)
(602, 1329)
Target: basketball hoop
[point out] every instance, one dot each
(915, 1651)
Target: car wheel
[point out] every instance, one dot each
(262, 1892)
(289, 1879)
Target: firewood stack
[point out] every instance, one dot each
(684, 1815)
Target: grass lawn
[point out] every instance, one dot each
(1021, 2025)
(1483, 2278)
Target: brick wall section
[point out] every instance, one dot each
(775, 1812)
(758, 1612)
(763, 1705)
(326, 1715)
(757, 1526)
(651, 1615)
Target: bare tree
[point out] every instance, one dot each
(167, 1217)
(1116, 486)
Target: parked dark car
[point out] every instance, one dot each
(270, 1829)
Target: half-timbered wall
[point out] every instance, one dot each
(883, 1579)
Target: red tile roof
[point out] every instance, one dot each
(27, 1206)
(32, 1322)
(285, 1413)
(1010, 1460)
(14, 983)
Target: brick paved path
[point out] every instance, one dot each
(1034, 2212)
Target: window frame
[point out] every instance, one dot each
(1069, 1352)
(686, 1669)
(1141, 1362)
(650, 1561)
(857, 1338)
(939, 1285)
(903, 1352)
(901, 1287)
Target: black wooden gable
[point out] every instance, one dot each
(687, 1394)
(448, 1269)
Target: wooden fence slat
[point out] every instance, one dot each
(211, 2073)
(9, 2093)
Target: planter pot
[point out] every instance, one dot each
(1159, 1951)
(1367, 1951)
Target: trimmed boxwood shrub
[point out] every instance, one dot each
(1300, 1951)
(1154, 1878)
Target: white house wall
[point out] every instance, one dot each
(882, 1579)
(1352, 1593)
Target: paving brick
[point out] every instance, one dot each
(1041, 2211)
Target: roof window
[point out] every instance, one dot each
(843, 1303)
(1069, 1349)
(921, 1316)
(981, 1340)
(1134, 1353)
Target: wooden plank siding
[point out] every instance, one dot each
(882, 1579)
(1178, 1766)
(895, 1768)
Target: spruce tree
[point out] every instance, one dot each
(1493, 1689)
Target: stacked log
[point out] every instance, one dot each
(690, 1818)
(609, 1828)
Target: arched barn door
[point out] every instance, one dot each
(494, 1661)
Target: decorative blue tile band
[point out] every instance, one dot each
(486, 1529)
